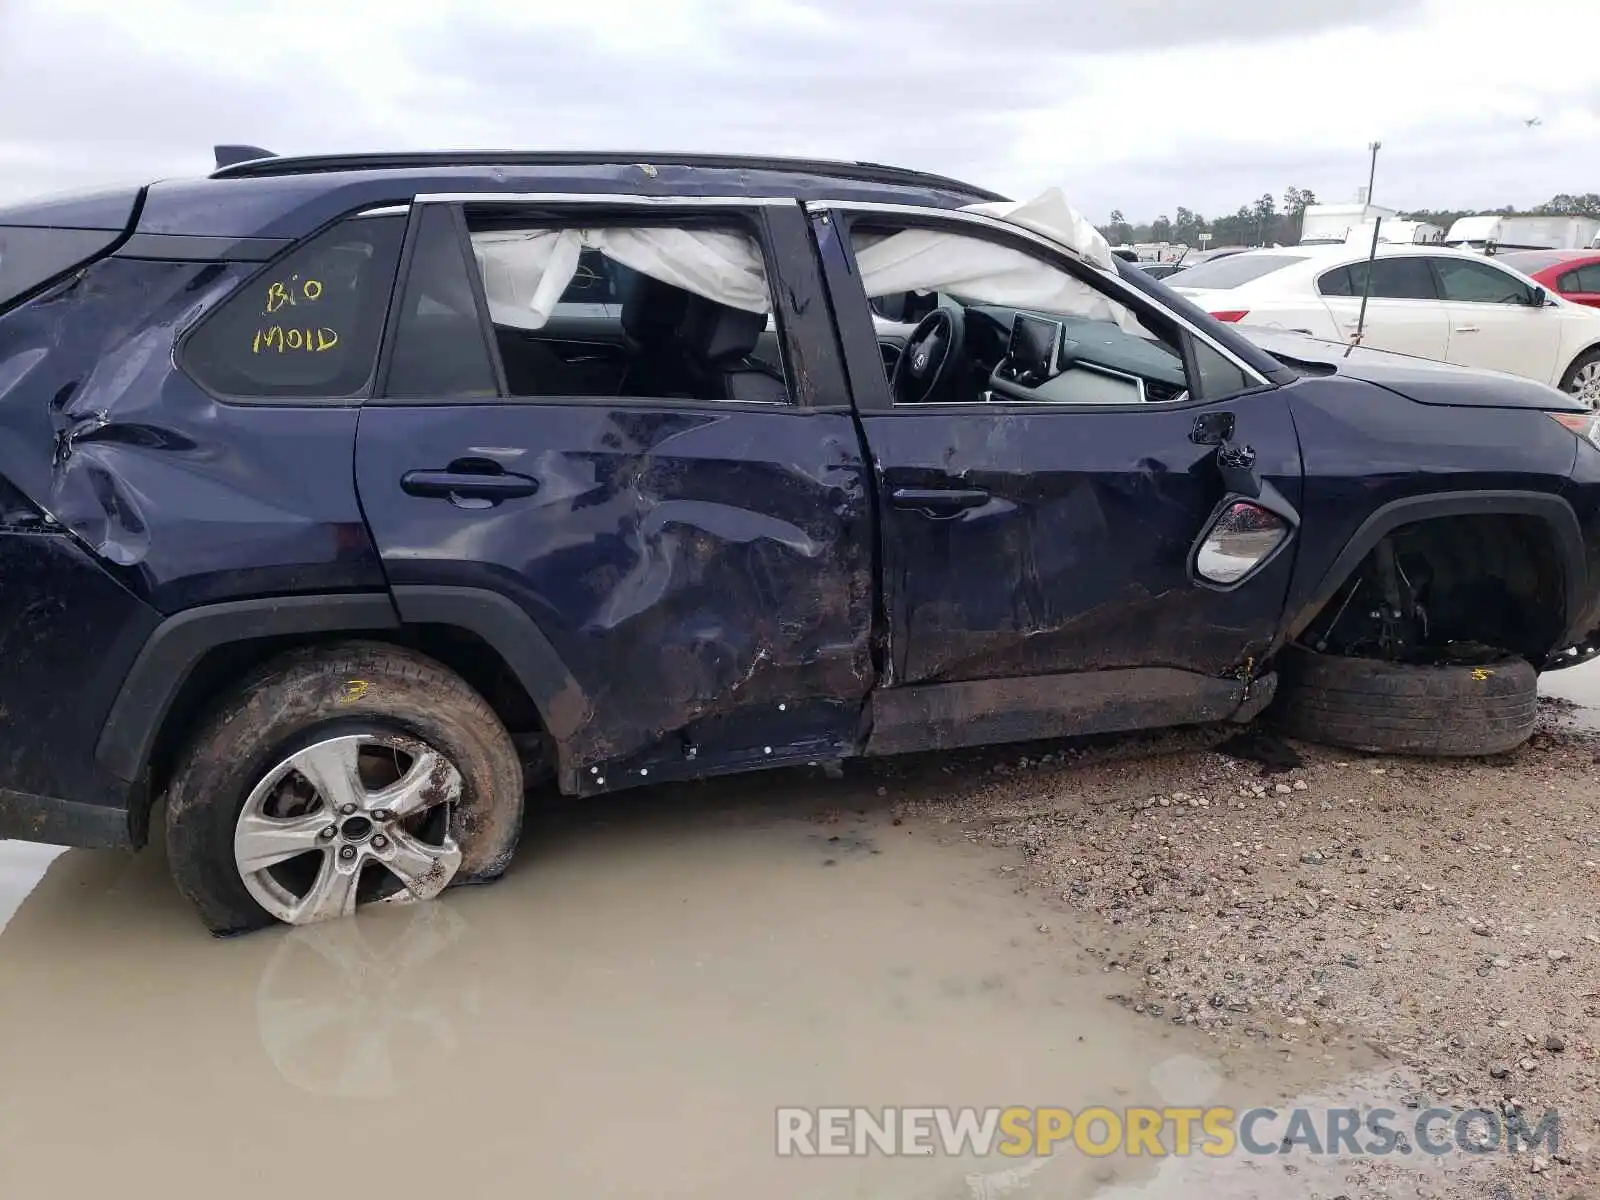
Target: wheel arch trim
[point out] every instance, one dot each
(1410, 510)
(176, 646)
(564, 707)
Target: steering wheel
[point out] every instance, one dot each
(933, 353)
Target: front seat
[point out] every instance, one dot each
(652, 311)
(718, 341)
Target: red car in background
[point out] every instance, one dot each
(1571, 274)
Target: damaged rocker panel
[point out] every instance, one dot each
(982, 711)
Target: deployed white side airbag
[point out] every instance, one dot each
(1049, 215)
(526, 271)
(979, 272)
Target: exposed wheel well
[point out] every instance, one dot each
(1492, 580)
(217, 672)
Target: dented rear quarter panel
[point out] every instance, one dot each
(69, 632)
(187, 498)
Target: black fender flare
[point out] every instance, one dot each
(564, 707)
(1551, 508)
(177, 645)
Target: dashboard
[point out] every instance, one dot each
(1040, 358)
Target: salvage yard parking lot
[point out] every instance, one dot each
(1123, 922)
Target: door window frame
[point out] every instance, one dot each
(772, 222)
(832, 222)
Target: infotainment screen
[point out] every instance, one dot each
(1035, 342)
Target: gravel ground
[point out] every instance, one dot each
(1441, 915)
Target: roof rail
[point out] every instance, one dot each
(263, 165)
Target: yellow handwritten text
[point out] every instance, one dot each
(285, 340)
(295, 292)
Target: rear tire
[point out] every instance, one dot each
(464, 804)
(1396, 708)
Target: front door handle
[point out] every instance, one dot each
(1466, 329)
(454, 483)
(940, 502)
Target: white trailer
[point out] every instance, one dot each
(1493, 231)
(1398, 232)
(1331, 224)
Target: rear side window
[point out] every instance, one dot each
(30, 257)
(1236, 270)
(1335, 282)
(1406, 278)
(308, 326)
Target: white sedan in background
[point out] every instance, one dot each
(1449, 305)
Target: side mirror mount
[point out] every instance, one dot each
(1540, 298)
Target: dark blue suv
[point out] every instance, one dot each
(342, 497)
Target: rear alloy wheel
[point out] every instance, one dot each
(354, 818)
(1582, 379)
(1400, 708)
(338, 777)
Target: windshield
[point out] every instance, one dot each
(1237, 269)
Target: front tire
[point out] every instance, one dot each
(335, 777)
(1582, 380)
(1397, 708)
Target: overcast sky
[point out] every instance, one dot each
(1134, 104)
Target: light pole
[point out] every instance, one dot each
(1372, 171)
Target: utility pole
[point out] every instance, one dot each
(1372, 171)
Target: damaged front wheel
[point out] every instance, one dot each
(341, 777)
(1443, 710)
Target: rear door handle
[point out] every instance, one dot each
(940, 502)
(1466, 329)
(472, 485)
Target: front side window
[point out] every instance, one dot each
(998, 325)
(1467, 281)
(308, 326)
(1584, 281)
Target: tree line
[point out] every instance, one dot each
(1265, 222)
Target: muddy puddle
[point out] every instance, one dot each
(622, 1015)
(1579, 687)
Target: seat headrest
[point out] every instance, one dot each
(716, 333)
(652, 311)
